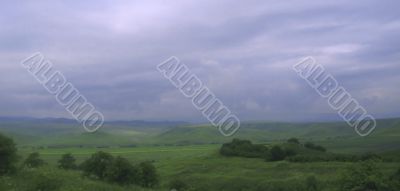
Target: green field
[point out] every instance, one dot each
(190, 153)
(203, 168)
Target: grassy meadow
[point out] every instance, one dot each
(191, 154)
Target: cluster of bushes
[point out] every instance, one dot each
(314, 147)
(8, 155)
(367, 176)
(104, 166)
(101, 166)
(333, 157)
(293, 151)
(243, 148)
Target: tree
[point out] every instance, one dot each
(34, 160)
(293, 140)
(149, 177)
(96, 165)
(277, 153)
(123, 172)
(243, 148)
(67, 162)
(8, 155)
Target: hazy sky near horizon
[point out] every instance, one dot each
(242, 51)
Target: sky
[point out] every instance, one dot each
(242, 51)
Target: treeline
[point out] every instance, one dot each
(334, 157)
(293, 151)
(100, 166)
(245, 148)
(104, 167)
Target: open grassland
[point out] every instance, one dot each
(190, 153)
(203, 168)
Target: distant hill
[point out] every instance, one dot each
(66, 132)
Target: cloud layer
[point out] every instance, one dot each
(242, 51)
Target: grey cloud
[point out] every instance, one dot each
(242, 51)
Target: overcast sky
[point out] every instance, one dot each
(242, 51)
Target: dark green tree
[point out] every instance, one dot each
(8, 155)
(243, 148)
(293, 140)
(149, 176)
(96, 166)
(67, 162)
(277, 154)
(123, 172)
(34, 161)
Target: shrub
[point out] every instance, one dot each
(44, 183)
(363, 176)
(149, 176)
(8, 155)
(314, 147)
(277, 153)
(67, 162)
(243, 148)
(290, 152)
(96, 165)
(34, 161)
(122, 172)
(370, 156)
(293, 140)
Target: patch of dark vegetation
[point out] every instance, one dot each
(294, 151)
(103, 166)
(8, 155)
(243, 148)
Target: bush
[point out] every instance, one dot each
(34, 161)
(8, 155)
(44, 183)
(123, 172)
(243, 148)
(370, 156)
(293, 140)
(363, 176)
(314, 147)
(149, 176)
(96, 165)
(67, 162)
(178, 185)
(277, 153)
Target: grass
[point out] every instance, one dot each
(203, 168)
(190, 153)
